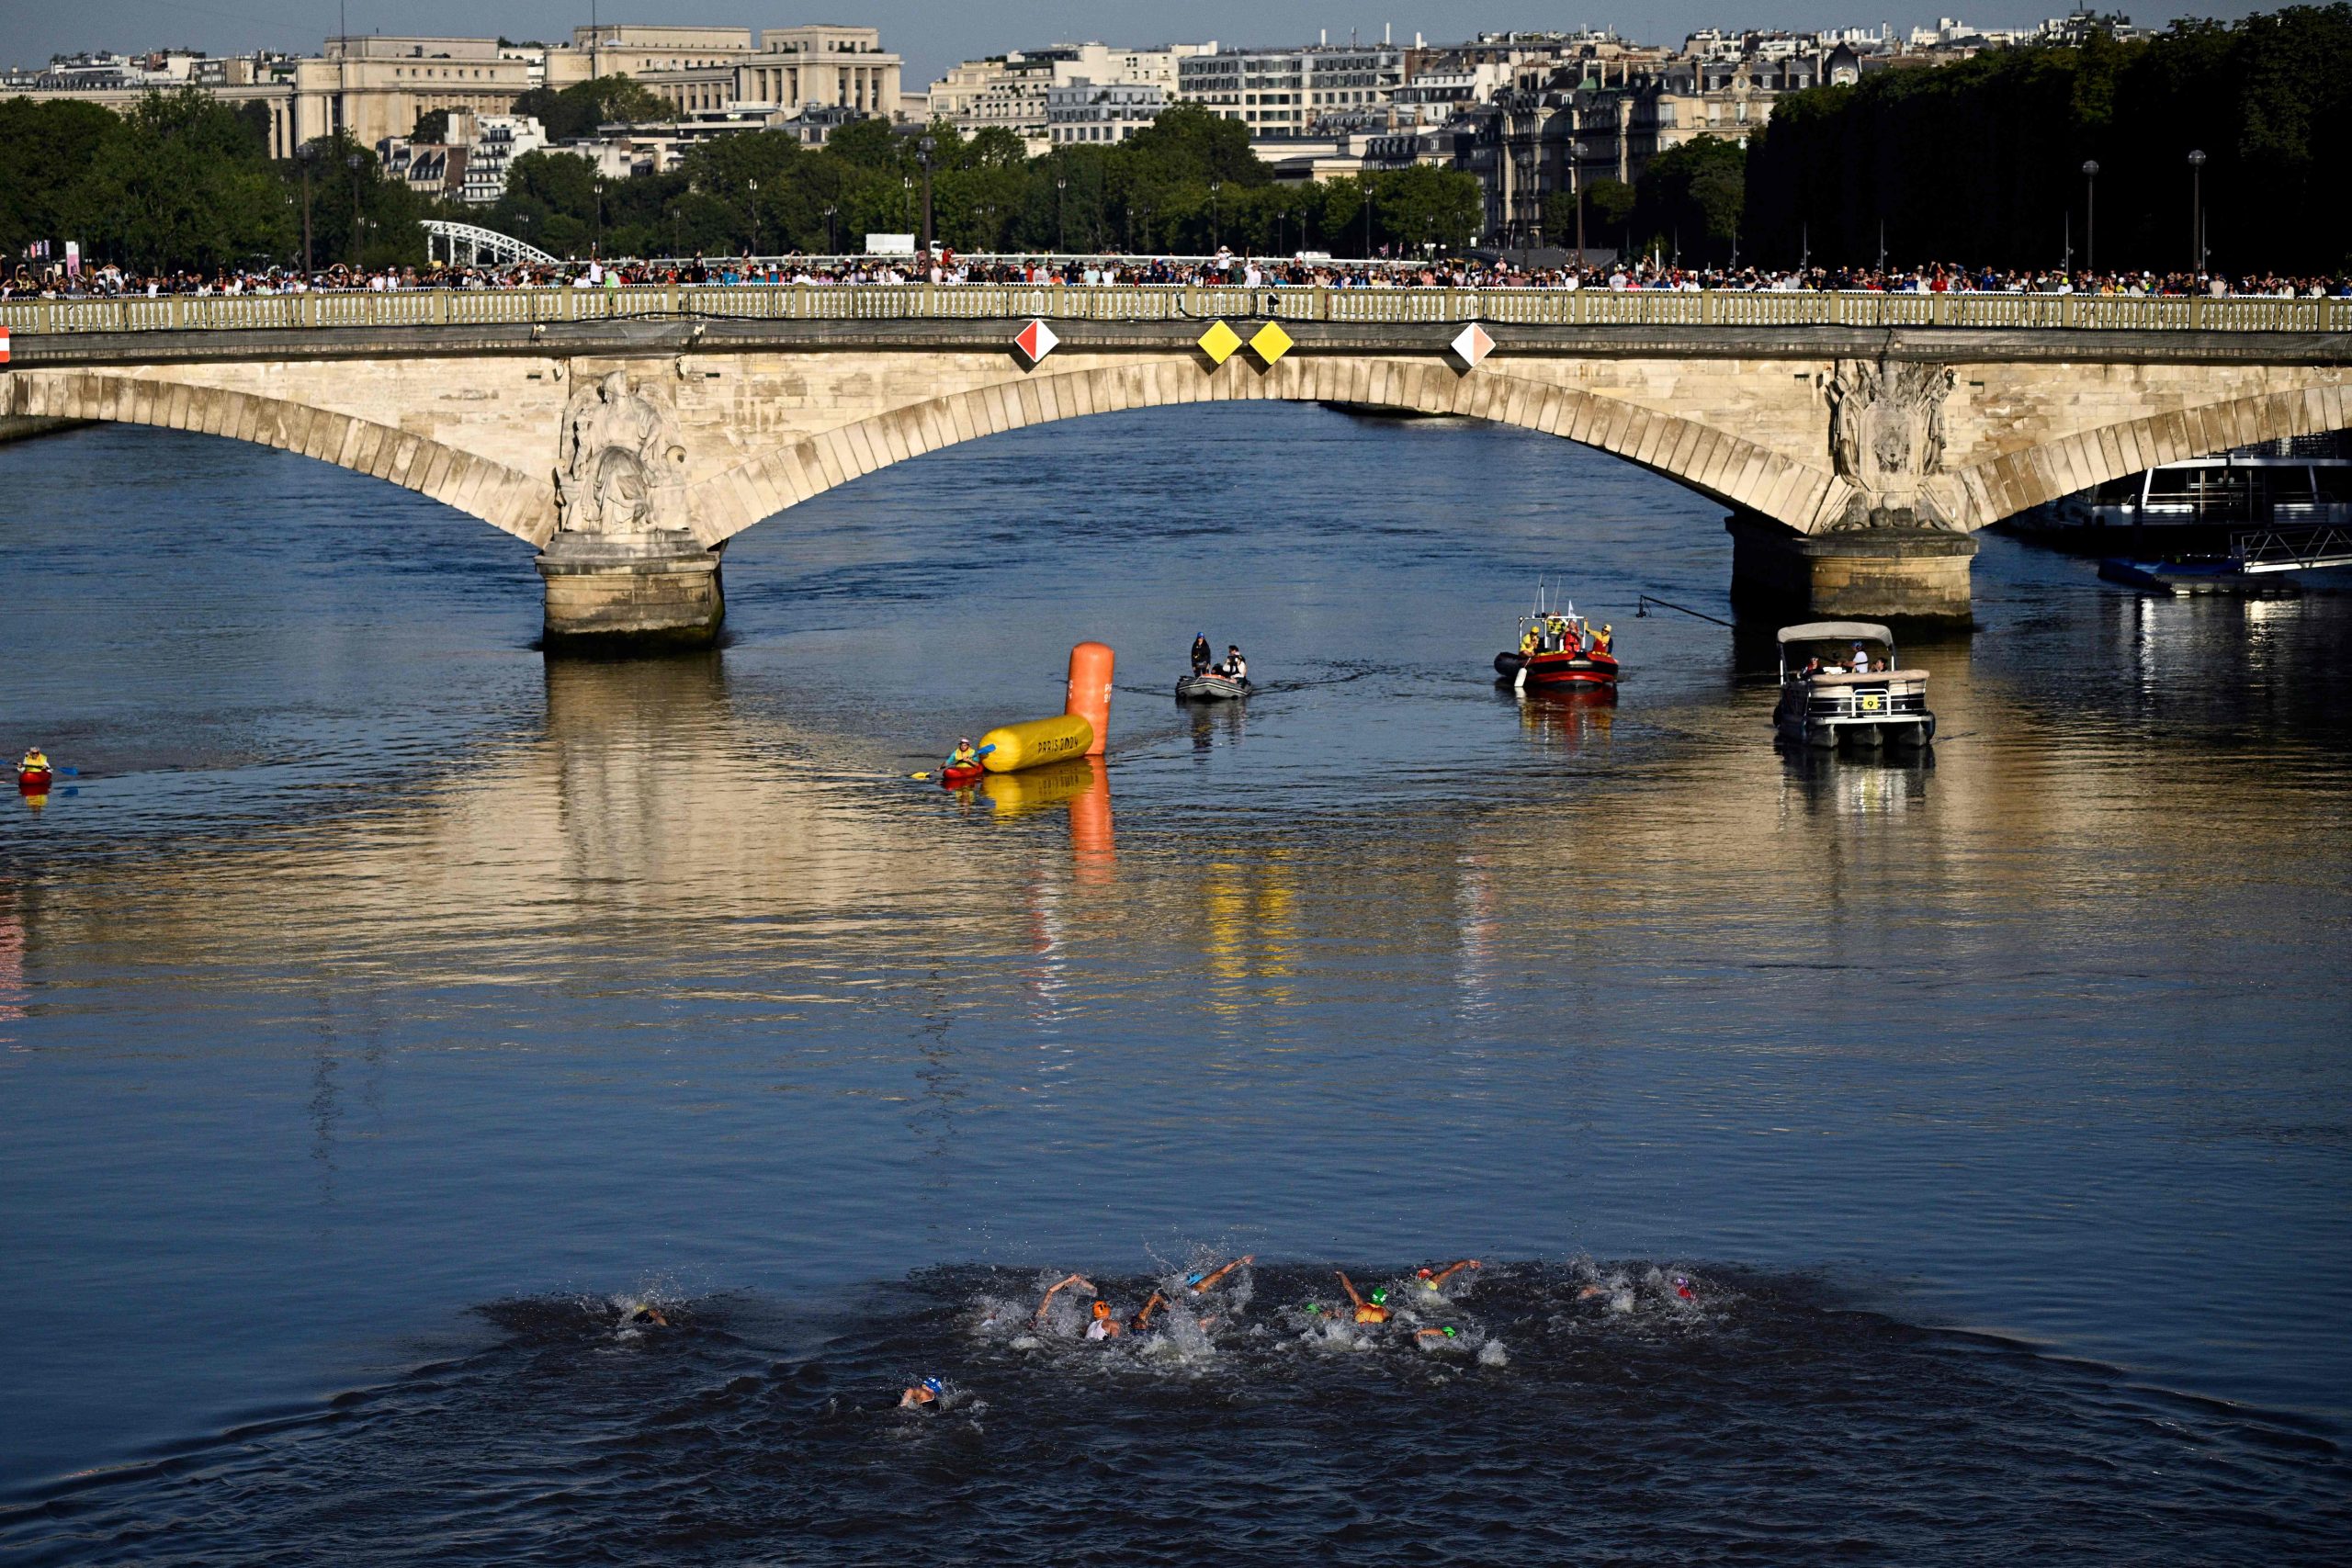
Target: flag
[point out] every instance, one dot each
(72, 258)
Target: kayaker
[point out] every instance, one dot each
(963, 756)
(1373, 1311)
(34, 762)
(1202, 655)
(1435, 1278)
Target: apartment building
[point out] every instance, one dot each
(1287, 92)
(1014, 91)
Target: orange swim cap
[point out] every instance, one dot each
(1102, 1309)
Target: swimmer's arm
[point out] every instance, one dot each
(1450, 1269)
(1348, 1285)
(1056, 1289)
(1206, 1280)
(1143, 1318)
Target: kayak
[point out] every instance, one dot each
(1560, 668)
(957, 778)
(34, 780)
(1212, 688)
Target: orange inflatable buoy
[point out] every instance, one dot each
(1090, 664)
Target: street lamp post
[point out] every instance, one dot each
(355, 163)
(2090, 215)
(306, 155)
(924, 149)
(1061, 213)
(1215, 185)
(754, 204)
(2196, 208)
(833, 247)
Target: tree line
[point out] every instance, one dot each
(1981, 161)
(185, 183)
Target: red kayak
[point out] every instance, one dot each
(36, 781)
(957, 778)
(1562, 667)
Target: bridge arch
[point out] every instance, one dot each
(1717, 462)
(507, 500)
(2012, 482)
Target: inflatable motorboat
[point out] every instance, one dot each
(1558, 649)
(1212, 687)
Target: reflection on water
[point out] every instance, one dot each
(380, 969)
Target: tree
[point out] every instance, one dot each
(1689, 200)
(46, 150)
(182, 184)
(1609, 214)
(1419, 206)
(432, 125)
(576, 111)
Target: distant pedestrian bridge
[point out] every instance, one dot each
(1841, 430)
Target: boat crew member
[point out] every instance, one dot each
(1235, 668)
(1861, 660)
(1199, 1283)
(1373, 1311)
(963, 756)
(1531, 642)
(1435, 1278)
(1201, 657)
(925, 1395)
(35, 761)
(1602, 639)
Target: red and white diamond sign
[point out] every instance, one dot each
(4, 345)
(1035, 341)
(1472, 345)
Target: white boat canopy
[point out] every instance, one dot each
(1838, 631)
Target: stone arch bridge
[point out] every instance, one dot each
(1857, 446)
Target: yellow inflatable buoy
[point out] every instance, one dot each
(1011, 746)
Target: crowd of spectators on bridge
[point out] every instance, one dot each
(945, 267)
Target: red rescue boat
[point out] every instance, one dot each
(1559, 649)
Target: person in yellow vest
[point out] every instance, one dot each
(1602, 638)
(35, 761)
(1531, 642)
(963, 756)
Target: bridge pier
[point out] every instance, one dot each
(1877, 574)
(630, 593)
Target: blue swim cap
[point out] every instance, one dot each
(1196, 1276)
(935, 1385)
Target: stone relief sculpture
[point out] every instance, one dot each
(1886, 438)
(620, 462)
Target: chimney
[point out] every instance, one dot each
(1322, 37)
(1384, 35)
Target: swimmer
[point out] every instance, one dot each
(1435, 1278)
(646, 1317)
(1080, 1280)
(1373, 1311)
(1198, 1283)
(1105, 1325)
(1141, 1322)
(1439, 1335)
(1683, 1290)
(925, 1395)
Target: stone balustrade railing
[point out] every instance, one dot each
(992, 302)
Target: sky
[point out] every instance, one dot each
(934, 34)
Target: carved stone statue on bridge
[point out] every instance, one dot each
(620, 461)
(1886, 438)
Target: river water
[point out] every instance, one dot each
(385, 1013)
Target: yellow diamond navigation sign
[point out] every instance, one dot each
(1219, 341)
(1272, 343)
